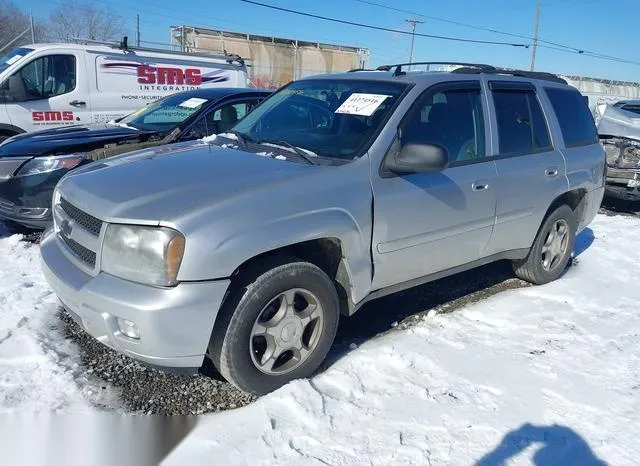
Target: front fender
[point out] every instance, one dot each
(220, 258)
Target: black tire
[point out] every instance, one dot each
(4, 136)
(230, 349)
(531, 268)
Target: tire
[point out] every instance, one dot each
(245, 334)
(4, 136)
(540, 268)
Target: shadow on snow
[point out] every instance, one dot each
(556, 446)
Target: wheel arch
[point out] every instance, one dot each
(327, 253)
(6, 130)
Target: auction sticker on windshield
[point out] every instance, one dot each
(361, 104)
(193, 102)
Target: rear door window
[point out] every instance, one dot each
(522, 128)
(574, 117)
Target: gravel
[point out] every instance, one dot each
(148, 391)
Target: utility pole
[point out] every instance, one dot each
(33, 34)
(138, 29)
(535, 36)
(413, 23)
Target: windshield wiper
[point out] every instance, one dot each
(242, 137)
(303, 155)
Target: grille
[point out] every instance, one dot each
(88, 222)
(79, 250)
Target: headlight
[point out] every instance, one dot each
(49, 164)
(149, 255)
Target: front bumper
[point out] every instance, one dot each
(27, 199)
(623, 184)
(174, 324)
(32, 217)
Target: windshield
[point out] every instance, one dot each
(10, 58)
(329, 117)
(164, 115)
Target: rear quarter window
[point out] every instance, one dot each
(575, 119)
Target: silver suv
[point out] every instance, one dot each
(246, 248)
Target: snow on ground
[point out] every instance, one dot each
(39, 369)
(541, 375)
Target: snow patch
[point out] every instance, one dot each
(537, 375)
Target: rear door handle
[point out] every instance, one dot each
(480, 186)
(551, 172)
(77, 103)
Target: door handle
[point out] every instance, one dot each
(77, 103)
(480, 186)
(551, 172)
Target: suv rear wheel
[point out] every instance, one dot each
(551, 250)
(277, 324)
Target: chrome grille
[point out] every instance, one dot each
(84, 254)
(86, 221)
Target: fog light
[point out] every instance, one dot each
(128, 328)
(32, 212)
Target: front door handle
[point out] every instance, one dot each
(551, 172)
(77, 103)
(480, 186)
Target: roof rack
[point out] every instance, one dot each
(398, 66)
(355, 70)
(124, 45)
(477, 68)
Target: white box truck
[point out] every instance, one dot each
(49, 85)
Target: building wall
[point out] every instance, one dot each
(273, 64)
(601, 91)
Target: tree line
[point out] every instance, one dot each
(69, 19)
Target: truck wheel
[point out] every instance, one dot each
(276, 325)
(551, 249)
(4, 135)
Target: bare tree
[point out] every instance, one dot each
(14, 22)
(85, 20)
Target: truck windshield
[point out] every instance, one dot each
(164, 115)
(337, 118)
(10, 58)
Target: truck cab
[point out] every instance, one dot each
(45, 86)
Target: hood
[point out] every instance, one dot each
(616, 122)
(69, 139)
(151, 186)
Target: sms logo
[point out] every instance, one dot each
(162, 75)
(52, 116)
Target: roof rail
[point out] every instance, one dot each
(354, 70)
(478, 68)
(398, 66)
(514, 72)
(124, 45)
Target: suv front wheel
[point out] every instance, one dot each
(551, 250)
(277, 324)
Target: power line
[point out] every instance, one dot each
(379, 28)
(547, 43)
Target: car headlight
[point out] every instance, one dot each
(48, 164)
(149, 255)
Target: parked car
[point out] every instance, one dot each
(32, 164)
(336, 190)
(51, 85)
(619, 130)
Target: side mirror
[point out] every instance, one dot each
(17, 91)
(418, 158)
